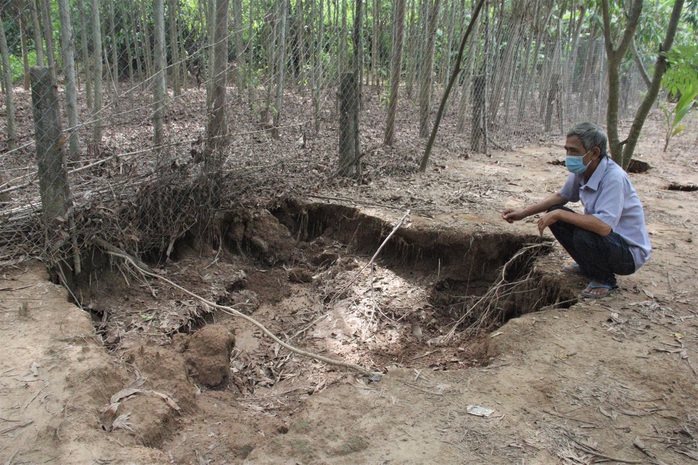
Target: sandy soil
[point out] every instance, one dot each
(612, 380)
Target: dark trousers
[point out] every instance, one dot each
(600, 258)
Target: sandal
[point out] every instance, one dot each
(590, 294)
(573, 269)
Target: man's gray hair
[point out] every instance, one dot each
(591, 136)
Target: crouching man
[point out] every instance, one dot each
(610, 237)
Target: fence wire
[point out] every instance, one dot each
(171, 113)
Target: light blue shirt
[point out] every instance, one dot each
(609, 196)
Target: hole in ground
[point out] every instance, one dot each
(301, 270)
(674, 186)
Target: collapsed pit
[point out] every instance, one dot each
(289, 268)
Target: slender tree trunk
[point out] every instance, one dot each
(145, 33)
(38, 40)
(96, 77)
(159, 78)
(375, 4)
(9, 92)
(467, 80)
(653, 91)
(134, 14)
(615, 57)
(71, 94)
(318, 68)
(395, 70)
(239, 54)
(174, 48)
(217, 125)
(358, 53)
(426, 84)
(85, 55)
(48, 36)
(54, 189)
(280, 69)
(114, 51)
(444, 99)
(23, 44)
(125, 15)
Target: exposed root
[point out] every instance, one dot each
(486, 307)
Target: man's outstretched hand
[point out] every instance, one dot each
(512, 215)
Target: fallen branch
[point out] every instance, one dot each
(231, 311)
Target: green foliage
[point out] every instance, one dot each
(675, 115)
(681, 80)
(682, 71)
(18, 68)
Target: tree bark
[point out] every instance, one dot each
(85, 55)
(9, 93)
(38, 40)
(48, 36)
(454, 76)
(653, 91)
(395, 70)
(174, 48)
(23, 44)
(54, 189)
(71, 95)
(159, 78)
(280, 70)
(426, 84)
(216, 129)
(615, 57)
(96, 77)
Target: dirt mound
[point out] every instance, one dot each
(207, 353)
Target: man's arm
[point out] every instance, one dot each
(512, 215)
(588, 222)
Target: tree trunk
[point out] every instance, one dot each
(48, 36)
(114, 52)
(395, 70)
(85, 55)
(375, 38)
(653, 91)
(426, 84)
(239, 54)
(134, 14)
(9, 92)
(71, 95)
(23, 44)
(159, 78)
(216, 130)
(174, 48)
(97, 78)
(280, 69)
(317, 73)
(358, 52)
(444, 99)
(38, 40)
(125, 22)
(53, 174)
(615, 57)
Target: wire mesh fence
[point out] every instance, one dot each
(170, 112)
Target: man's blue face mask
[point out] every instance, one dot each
(575, 163)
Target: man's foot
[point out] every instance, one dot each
(597, 290)
(573, 269)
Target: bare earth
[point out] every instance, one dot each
(610, 381)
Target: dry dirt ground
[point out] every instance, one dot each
(141, 374)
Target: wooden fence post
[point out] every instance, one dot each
(348, 126)
(477, 142)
